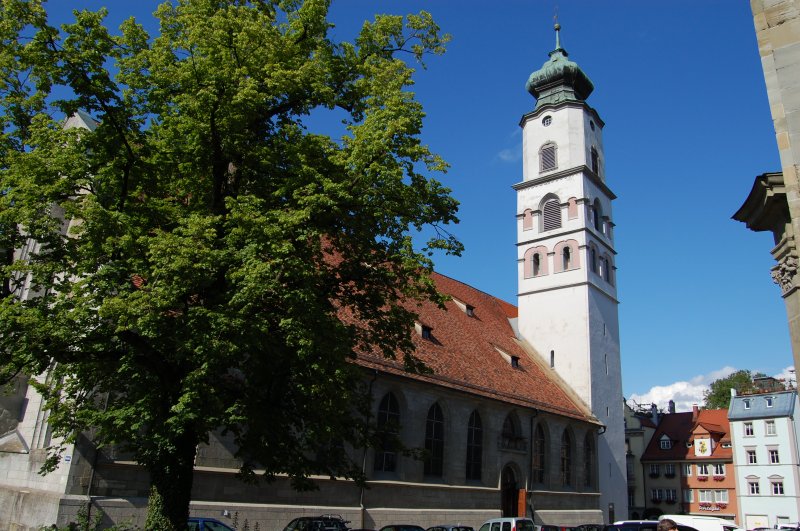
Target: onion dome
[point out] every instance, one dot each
(559, 79)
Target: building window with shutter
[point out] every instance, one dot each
(547, 158)
(551, 215)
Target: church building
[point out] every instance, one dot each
(522, 414)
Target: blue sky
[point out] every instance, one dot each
(680, 87)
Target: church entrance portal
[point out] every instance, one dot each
(509, 492)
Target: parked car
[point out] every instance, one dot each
(323, 522)
(201, 523)
(450, 527)
(642, 525)
(402, 527)
(702, 523)
(509, 524)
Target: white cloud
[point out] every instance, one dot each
(684, 393)
(687, 393)
(509, 155)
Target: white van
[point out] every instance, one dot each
(703, 523)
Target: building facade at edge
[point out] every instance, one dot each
(521, 415)
(639, 429)
(767, 467)
(774, 201)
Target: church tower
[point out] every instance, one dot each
(565, 239)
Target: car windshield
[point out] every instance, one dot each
(525, 525)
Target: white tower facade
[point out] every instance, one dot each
(567, 294)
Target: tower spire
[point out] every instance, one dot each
(557, 27)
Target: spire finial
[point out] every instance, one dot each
(557, 27)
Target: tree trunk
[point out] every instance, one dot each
(171, 485)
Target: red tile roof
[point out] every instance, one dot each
(464, 354)
(680, 428)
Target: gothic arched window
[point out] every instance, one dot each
(474, 446)
(539, 456)
(566, 258)
(566, 459)
(388, 424)
(434, 441)
(588, 461)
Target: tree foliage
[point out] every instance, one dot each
(204, 259)
(718, 394)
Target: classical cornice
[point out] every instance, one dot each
(593, 177)
(557, 106)
(766, 207)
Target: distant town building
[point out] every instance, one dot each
(688, 465)
(640, 425)
(764, 431)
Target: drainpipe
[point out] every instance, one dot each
(91, 474)
(530, 466)
(364, 453)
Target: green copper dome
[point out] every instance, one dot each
(559, 79)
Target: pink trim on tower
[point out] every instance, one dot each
(572, 208)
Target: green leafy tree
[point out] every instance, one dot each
(718, 394)
(205, 260)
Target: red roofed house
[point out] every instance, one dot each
(689, 465)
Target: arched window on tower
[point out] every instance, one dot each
(536, 265)
(607, 275)
(566, 258)
(551, 214)
(474, 446)
(593, 259)
(548, 160)
(388, 424)
(597, 215)
(434, 441)
(595, 161)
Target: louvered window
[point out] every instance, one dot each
(547, 158)
(551, 215)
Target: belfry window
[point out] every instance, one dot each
(566, 258)
(595, 162)
(547, 158)
(551, 215)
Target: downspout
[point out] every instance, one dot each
(530, 466)
(91, 473)
(361, 507)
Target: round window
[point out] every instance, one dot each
(547, 120)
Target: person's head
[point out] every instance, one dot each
(667, 525)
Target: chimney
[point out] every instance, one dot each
(671, 407)
(694, 412)
(654, 413)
